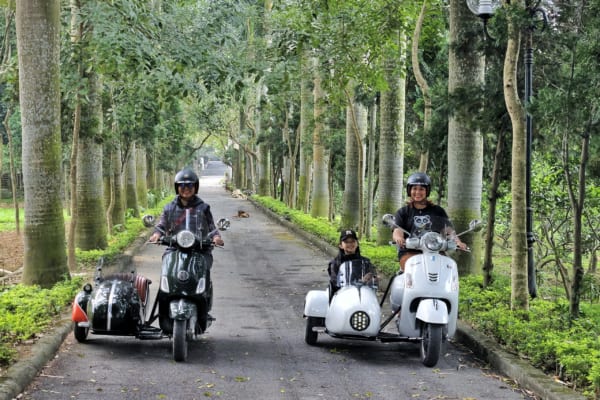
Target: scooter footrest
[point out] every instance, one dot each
(150, 333)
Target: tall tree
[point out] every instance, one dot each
(465, 144)
(38, 44)
(391, 139)
(516, 110)
(306, 122)
(320, 189)
(356, 132)
(87, 193)
(424, 86)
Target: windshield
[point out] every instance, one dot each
(421, 224)
(352, 272)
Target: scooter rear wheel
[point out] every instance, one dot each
(180, 344)
(431, 344)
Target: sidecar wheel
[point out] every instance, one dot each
(80, 333)
(180, 344)
(311, 336)
(431, 344)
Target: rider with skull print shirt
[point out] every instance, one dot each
(419, 208)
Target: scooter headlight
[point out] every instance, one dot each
(359, 321)
(185, 239)
(433, 241)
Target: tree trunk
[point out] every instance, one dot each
(488, 263)
(391, 140)
(306, 118)
(131, 199)
(141, 176)
(372, 145)
(38, 42)
(293, 145)
(91, 223)
(13, 173)
(427, 112)
(465, 144)
(356, 129)
(516, 111)
(320, 192)
(118, 184)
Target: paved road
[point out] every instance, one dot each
(255, 348)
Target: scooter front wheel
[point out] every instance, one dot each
(431, 344)
(180, 344)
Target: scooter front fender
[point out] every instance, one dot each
(433, 311)
(316, 303)
(182, 309)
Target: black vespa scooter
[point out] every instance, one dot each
(116, 304)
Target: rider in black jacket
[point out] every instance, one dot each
(173, 220)
(349, 250)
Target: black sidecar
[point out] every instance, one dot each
(114, 305)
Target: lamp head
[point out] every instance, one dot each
(484, 9)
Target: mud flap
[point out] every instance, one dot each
(432, 311)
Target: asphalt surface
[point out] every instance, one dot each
(20, 375)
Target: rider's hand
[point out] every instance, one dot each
(462, 246)
(398, 237)
(368, 277)
(218, 241)
(154, 237)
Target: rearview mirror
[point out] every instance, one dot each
(223, 224)
(148, 220)
(389, 221)
(475, 225)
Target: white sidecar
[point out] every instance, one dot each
(352, 312)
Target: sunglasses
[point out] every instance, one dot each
(186, 185)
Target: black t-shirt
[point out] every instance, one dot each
(411, 218)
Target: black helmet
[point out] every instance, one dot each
(186, 175)
(418, 178)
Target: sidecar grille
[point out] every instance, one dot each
(433, 277)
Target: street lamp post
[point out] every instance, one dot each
(484, 9)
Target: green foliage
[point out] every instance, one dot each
(26, 311)
(121, 238)
(7, 219)
(545, 334)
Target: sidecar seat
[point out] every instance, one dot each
(140, 282)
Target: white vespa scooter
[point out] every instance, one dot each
(424, 297)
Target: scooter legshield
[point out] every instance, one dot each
(354, 311)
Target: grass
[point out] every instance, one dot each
(7, 219)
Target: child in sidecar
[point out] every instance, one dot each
(350, 251)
